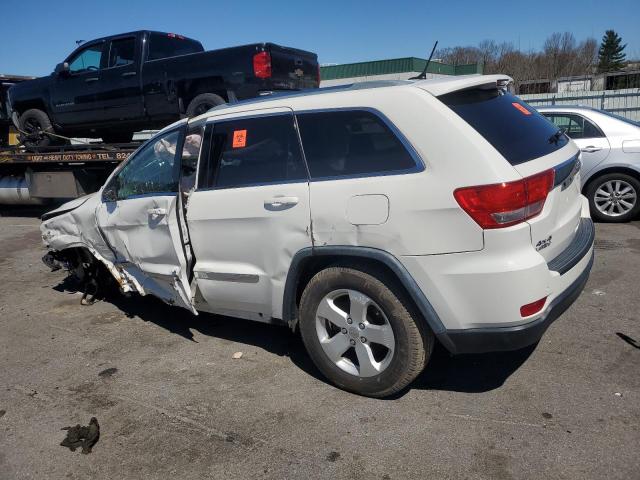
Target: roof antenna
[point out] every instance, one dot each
(423, 75)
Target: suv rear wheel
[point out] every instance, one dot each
(360, 334)
(613, 197)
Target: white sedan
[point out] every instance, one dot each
(610, 146)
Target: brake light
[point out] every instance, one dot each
(504, 204)
(262, 65)
(318, 74)
(533, 307)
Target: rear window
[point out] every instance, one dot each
(351, 143)
(163, 45)
(514, 128)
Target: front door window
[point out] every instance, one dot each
(86, 60)
(154, 170)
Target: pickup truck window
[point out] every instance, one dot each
(152, 170)
(87, 59)
(164, 45)
(122, 52)
(254, 151)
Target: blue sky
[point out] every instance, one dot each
(339, 31)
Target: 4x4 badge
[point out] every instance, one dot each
(543, 243)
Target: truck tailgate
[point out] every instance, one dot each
(293, 68)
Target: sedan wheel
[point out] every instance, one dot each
(614, 197)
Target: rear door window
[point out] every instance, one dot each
(351, 143)
(575, 126)
(514, 128)
(122, 52)
(254, 151)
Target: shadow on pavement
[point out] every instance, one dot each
(464, 373)
(470, 373)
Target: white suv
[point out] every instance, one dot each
(376, 219)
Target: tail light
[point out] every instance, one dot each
(505, 204)
(318, 74)
(533, 307)
(262, 65)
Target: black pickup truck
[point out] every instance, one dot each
(114, 86)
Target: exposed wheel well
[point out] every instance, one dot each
(192, 91)
(22, 107)
(628, 171)
(382, 267)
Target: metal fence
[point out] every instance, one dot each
(621, 102)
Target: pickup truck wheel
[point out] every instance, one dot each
(117, 137)
(35, 124)
(360, 334)
(203, 103)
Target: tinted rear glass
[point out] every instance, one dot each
(351, 143)
(514, 128)
(163, 45)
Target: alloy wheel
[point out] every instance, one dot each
(355, 333)
(615, 198)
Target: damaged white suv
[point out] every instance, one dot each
(375, 218)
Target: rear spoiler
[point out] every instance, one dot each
(443, 86)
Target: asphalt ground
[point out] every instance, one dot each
(172, 402)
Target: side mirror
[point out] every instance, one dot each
(62, 69)
(110, 192)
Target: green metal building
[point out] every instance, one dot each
(392, 69)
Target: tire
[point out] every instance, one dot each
(36, 123)
(411, 343)
(603, 189)
(202, 103)
(117, 137)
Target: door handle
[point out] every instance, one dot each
(280, 203)
(128, 74)
(591, 149)
(92, 79)
(156, 212)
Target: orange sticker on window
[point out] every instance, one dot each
(521, 108)
(239, 138)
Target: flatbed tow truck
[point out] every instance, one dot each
(36, 176)
(40, 175)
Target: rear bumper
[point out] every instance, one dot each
(479, 340)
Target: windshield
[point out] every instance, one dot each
(514, 128)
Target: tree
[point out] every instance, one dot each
(610, 55)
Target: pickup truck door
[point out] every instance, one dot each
(119, 92)
(73, 93)
(139, 219)
(249, 214)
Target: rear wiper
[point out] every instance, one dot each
(556, 136)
